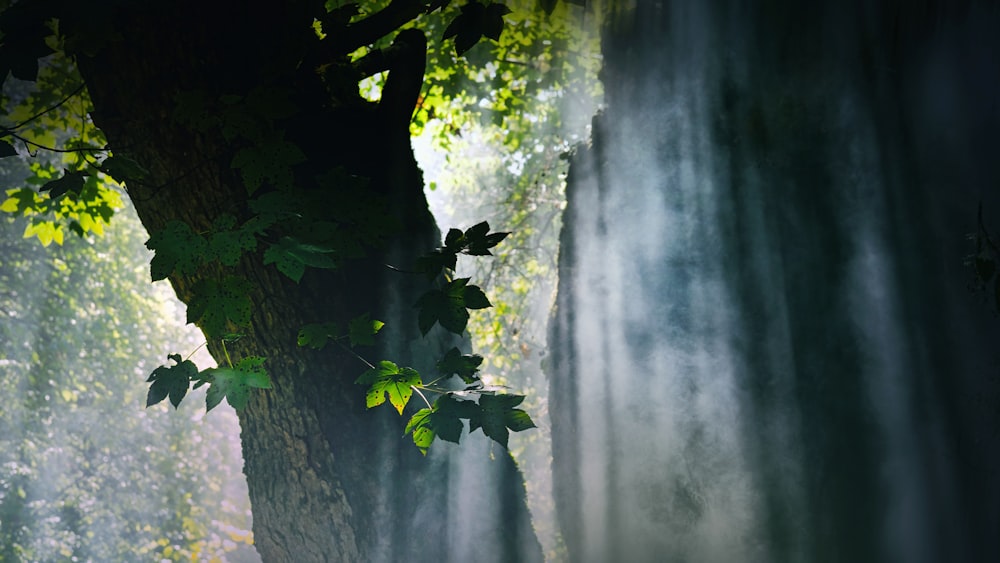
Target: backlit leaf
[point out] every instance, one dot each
(388, 379)
(177, 248)
(172, 381)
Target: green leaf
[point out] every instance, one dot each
(170, 381)
(177, 248)
(493, 20)
(462, 365)
(291, 257)
(215, 305)
(389, 379)
(475, 298)
(235, 383)
(433, 262)
(498, 415)
(362, 330)
(437, 306)
(21, 200)
(271, 161)
(69, 182)
(316, 335)
(227, 245)
(449, 306)
(455, 240)
(478, 239)
(122, 168)
(423, 431)
(443, 420)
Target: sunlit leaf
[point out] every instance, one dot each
(235, 383)
(362, 330)
(389, 379)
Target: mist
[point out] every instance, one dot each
(767, 345)
(86, 473)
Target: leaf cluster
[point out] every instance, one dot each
(448, 306)
(361, 331)
(494, 413)
(232, 382)
(476, 21)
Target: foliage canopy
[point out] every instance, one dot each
(298, 216)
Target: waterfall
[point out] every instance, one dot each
(764, 345)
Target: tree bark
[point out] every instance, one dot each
(328, 479)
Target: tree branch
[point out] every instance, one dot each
(381, 60)
(378, 25)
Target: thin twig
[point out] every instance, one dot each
(47, 110)
(426, 402)
(52, 149)
(355, 354)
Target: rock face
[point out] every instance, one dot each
(764, 346)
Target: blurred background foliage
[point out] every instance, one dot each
(86, 473)
(497, 151)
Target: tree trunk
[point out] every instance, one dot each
(764, 347)
(328, 479)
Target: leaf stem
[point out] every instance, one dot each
(422, 396)
(200, 346)
(353, 353)
(226, 352)
(52, 149)
(47, 110)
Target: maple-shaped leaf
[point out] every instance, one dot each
(21, 201)
(227, 243)
(422, 430)
(475, 21)
(443, 420)
(433, 262)
(234, 383)
(462, 365)
(474, 298)
(271, 160)
(493, 20)
(316, 335)
(68, 182)
(291, 257)
(362, 330)
(454, 240)
(216, 305)
(172, 381)
(478, 239)
(177, 248)
(122, 169)
(498, 414)
(389, 379)
(449, 306)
